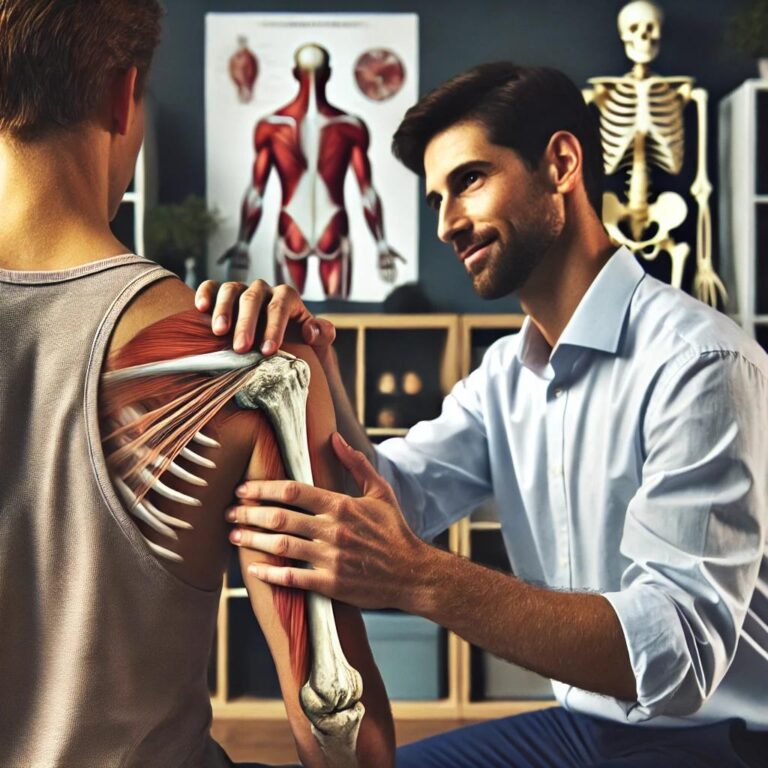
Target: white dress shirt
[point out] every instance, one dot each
(631, 460)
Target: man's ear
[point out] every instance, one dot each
(564, 161)
(123, 101)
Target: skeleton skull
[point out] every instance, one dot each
(640, 30)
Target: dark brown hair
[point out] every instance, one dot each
(57, 58)
(519, 107)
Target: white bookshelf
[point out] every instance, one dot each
(743, 151)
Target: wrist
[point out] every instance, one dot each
(428, 567)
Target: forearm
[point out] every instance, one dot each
(347, 422)
(373, 214)
(250, 214)
(572, 637)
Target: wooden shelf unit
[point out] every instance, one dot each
(448, 346)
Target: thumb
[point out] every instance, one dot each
(318, 332)
(371, 483)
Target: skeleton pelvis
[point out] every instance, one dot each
(653, 222)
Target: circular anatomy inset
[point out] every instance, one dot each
(379, 73)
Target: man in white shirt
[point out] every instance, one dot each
(622, 433)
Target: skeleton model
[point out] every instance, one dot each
(311, 144)
(201, 385)
(641, 124)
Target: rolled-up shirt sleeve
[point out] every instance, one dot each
(694, 532)
(440, 469)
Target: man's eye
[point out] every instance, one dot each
(469, 179)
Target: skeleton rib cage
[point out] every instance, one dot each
(651, 110)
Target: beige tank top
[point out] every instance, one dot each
(103, 653)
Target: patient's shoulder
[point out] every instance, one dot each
(157, 301)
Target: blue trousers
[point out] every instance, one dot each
(556, 738)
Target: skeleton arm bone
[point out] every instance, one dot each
(707, 286)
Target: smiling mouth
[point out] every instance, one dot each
(467, 255)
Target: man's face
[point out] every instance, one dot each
(499, 217)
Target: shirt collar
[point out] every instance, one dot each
(599, 317)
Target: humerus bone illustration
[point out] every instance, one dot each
(331, 696)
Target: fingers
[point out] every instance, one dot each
(290, 492)
(278, 544)
(252, 300)
(256, 303)
(204, 295)
(286, 305)
(368, 479)
(387, 270)
(275, 307)
(310, 331)
(298, 578)
(276, 519)
(388, 265)
(223, 310)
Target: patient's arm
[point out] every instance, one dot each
(375, 744)
(248, 449)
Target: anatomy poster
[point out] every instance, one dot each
(300, 113)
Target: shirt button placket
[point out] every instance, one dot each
(556, 423)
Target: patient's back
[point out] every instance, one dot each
(104, 649)
(105, 644)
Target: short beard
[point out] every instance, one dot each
(508, 270)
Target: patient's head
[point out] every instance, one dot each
(58, 57)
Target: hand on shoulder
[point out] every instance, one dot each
(260, 306)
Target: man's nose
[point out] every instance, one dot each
(451, 221)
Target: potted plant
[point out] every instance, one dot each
(177, 235)
(748, 33)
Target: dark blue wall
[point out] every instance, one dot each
(579, 37)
